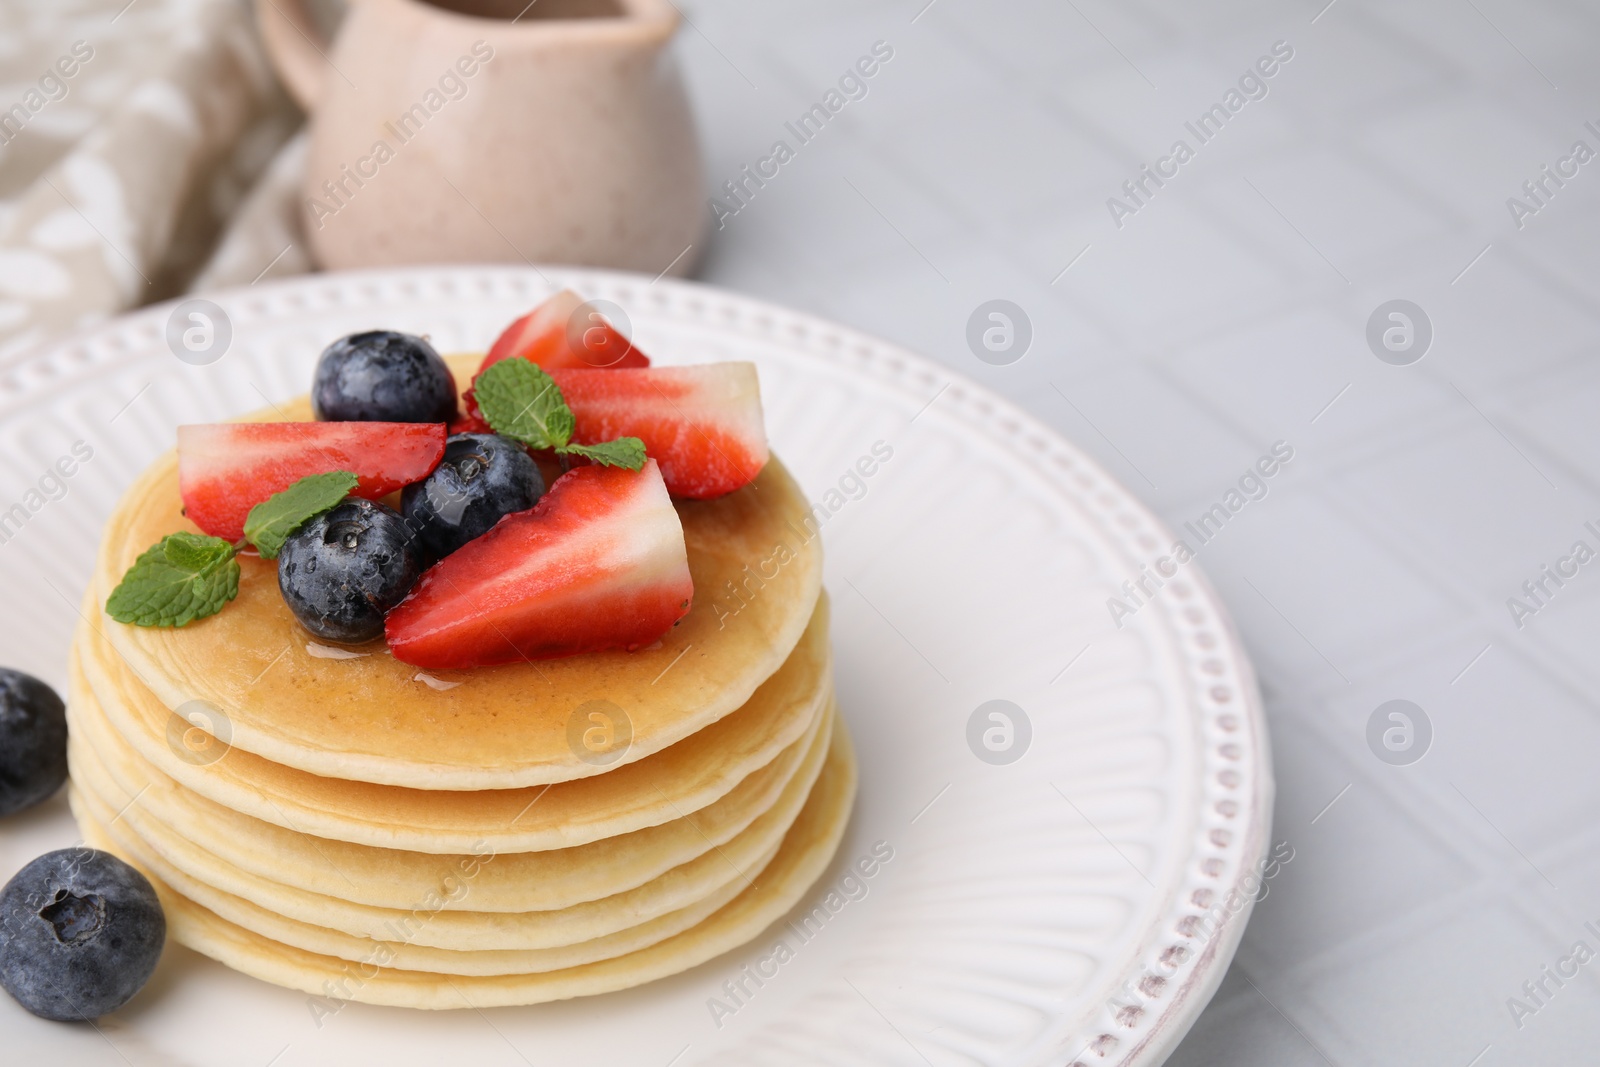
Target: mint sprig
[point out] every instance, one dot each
(521, 401)
(623, 452)
(188, 576)
(271, 522)
(182, 578)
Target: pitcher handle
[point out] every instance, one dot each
(296, 47)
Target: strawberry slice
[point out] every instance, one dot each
(701, 423)
(555, 334)
(227, 468)
(598, 563)
(473, 421)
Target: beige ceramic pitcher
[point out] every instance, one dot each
(461, 131)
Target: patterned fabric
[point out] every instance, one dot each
(264, 238)
(130, 135)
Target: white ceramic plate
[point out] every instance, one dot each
(1049, 910)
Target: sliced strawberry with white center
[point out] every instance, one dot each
(227, 468)
(561, 333)
(598, 563)
(702, 423)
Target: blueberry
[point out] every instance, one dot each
(482, 478)
(382, 376)
(33, 741)
(80, 933)
(343, 569)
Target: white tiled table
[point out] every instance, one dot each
(1227, 314)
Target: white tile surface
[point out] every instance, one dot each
(1225, 314)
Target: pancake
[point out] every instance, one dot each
(309, 920)
(393, 878)
(670, 784)
(410, 955)
(375, 719)
(805, 853)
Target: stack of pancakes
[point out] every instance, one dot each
(339, 822)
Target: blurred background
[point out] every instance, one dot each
(1376, 249)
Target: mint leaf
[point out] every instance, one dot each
(623, 452)
(195, 552)
(519, 400)
(181, 578)
(270, 522)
